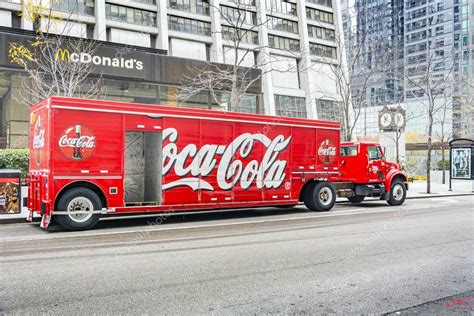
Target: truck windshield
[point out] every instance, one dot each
(374, 153)
(348, 151)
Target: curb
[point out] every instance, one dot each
(438, 195)
(20, 220)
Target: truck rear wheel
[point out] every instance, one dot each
(321, 197)
(356, 198)
(81, 200)
(398, 193)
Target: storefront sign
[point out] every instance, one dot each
(117, 61)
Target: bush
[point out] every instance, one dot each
(446, 164)
(15, 159)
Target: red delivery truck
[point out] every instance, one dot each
(90, 157)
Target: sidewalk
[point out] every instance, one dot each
(417, 189)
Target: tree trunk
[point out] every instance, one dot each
(429, 146)
(443, 161)
(397, 149)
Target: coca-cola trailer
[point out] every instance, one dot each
(90, 158)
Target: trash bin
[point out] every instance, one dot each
(10, 191)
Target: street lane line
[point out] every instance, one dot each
(159, 228)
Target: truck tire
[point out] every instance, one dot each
(356, 198)
(321, 198)
(78, 199)
(398, 193)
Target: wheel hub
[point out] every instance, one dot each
(80, 209)
(325, 196)
(397, 192)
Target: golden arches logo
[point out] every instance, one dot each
(63, 54)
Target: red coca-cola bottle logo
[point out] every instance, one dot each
(77, 143)
(327, 152)
(38, 139)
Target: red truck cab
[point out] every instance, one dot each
(363, 164)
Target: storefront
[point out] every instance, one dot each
(130, 74)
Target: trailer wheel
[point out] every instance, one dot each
(321, 198)
(398, 193)
(356, 198)
(78, 199)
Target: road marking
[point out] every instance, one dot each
(146, 228)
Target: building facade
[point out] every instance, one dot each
(464, 68)
(428, 41)
(293, 43)
(377, 47)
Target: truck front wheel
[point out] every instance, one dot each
(398, 193)
(79, 204)
(321, 197)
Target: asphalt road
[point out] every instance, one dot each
(368, 258)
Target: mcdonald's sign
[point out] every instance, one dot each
(64, 54)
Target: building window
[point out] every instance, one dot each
(240, 35)
(192, 6)
(248, 104)
(290, 106)
(281, 6)
(282, 24)
(322, 50)
(82, 7)
(238, 16)
(189, 26)
(321, 33)
(329, 110)
(320, 16)
(129, 15)
(283, 43)
(326, 3)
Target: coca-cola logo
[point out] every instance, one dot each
(77, 142)
(192, 165)
(38, 141)
(38, 134)
(327, 152)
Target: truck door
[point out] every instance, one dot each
(142, 156)
(143, 170)
(376, 164)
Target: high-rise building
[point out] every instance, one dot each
(296, 38)
(377, 48)
(463, 116)
(428, 41)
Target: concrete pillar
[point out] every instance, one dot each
(264, 59)
(217, 54)
(100, 29)
(162, 41)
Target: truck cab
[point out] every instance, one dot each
(364, 165)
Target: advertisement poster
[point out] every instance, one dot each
(461, 163)
(9, 199)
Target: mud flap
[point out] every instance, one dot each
(45, 220)
(385, 196)
(30, 216)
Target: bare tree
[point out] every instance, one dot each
(228, 84)
(444, 133)
(51, 58)
(432, 88)
(398, 133)
(463, 106)
(352, 78)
